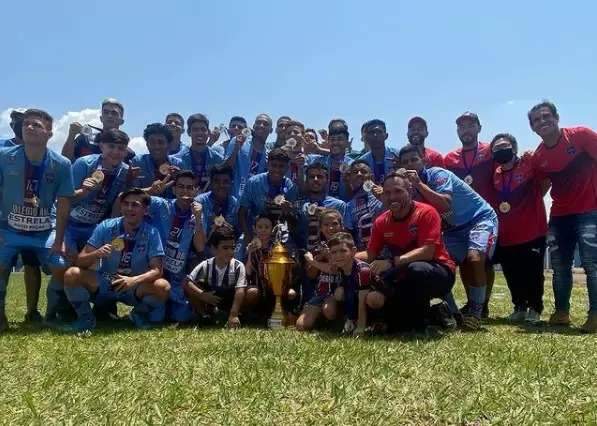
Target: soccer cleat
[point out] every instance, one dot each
(3, 322)
(33, 316)
(519, 314)
(470, 323)
(441, 315)
(559, 318)
(533, 317)
(81, 325)
(465, 309)
(590, 326)
(138, 318)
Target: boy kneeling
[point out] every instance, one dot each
(218, 284)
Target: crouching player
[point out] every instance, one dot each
(130, 270)
(181, 228)
(420, 267)
(218, 284)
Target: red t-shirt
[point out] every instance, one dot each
(420, 228)
(477, 163)
(433, 158)
(521, 189)
(571, 165)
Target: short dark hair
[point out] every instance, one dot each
(278, 154)
(177, 115)
(331, 212)
(407, 149)
(157, 129)
(310, 130)
(341, 238)
(265, 216)
(185, 174)
(295, 123)
(221, 169)
(284, 117)
(145, 198)
(400, 174)
(114, 136)
(363, 162)
(238, 118)
(506, 136)
(374, 122)
(316, 166)
(543, 104)
(39, 113)
(219, 234)
(197, 118)
(115, 102)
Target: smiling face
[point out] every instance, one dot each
(36, 131)
(317, 181)
(412, 161)
(157, 145)
(263, 229)
(330, 224)
(176, 126)
(544, 123)
(397, 196)
(417, 132)
(113, 153)
(111, 116)
(341, 254)
(468, 131)
(262, 127)
(133, 209)
(359, 173)
(375, 136)
(338, 144)
(199, 133)
(185, 188)
(221, 184)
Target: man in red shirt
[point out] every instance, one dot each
(416, 134)
(419, 267)
(568, 157)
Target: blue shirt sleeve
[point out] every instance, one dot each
(155, 243)
(247, 196)
(440, 181)
(80, 172)
(348, 217)
(100, 235)
(65, 182)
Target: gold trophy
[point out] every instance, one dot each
(278, 267)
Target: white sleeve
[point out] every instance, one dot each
(242, 279)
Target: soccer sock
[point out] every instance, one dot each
(55, 295)
(476, 300)
(449, 299)
(79, 298)
(156, 308)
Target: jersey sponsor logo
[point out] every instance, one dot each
(571, 150)
(440, 180)
(388, 234)
(90, 216)
(30, 219)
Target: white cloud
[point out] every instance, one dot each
(61, 125)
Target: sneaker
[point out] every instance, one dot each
(559, 318)
(440, 314)
(3, 322)
(138, 318)
(590, 326)
(81, 325)
(465, 309)
(471, 323)
(533, 317)
(519, 314)
(33, 316)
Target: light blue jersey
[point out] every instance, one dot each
(211, 209)
(30, 190)
(200, 163)
(309, 223)
(361, 211)
(466, 205)
(139, 248)
(8, 143)
(249, 163)
(149, 172)
(381, 169)
(259, 194)
(336, 186)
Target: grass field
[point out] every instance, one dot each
(504, 375)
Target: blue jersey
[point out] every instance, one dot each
(309, 224)
(182, 149)
(30, 190)
(176, 230)
(138, 249)
(84, 146)
(381, 169)
(200, 163)
(96, 205)
(211, 209)
(149, 171)
(361, 211)
(259, 195)
(466, 205)
(8, 143)
(336, 186)
(249, 163)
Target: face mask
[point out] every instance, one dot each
(503, 156)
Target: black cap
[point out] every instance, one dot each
(416, 119)
(468, 115)
(374, 122)
(17, 113)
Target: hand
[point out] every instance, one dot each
(214, 136)
(159, 186)
(233, 322)
(58, 248)
(309, 257)
(291, 294)
(380, 266)
(377, 191)
(91, 184)
(122, 283)
(323, 133)
(349, 327)
(104, 251)
(240, 139)
(254, 245)
(197, 210)
(413, 177)
(210, 298)
(74, 129)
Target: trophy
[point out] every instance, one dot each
(278, 268)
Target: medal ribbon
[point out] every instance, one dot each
(199, 166)
(468, 169)
(335, 176)
(506, 187)
(33, 177)
(126, 256)
(255, 161)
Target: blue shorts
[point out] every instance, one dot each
(75, 238)
(480, 235)
(178, 307)
(318, 300)
(13, 243)
(105, 294)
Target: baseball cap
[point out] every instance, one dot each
(415, 119)
(468, 115)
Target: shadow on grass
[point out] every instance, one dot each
(528, 328)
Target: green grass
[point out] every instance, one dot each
(505, 375)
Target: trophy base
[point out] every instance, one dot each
(276, 321)
(275, 324)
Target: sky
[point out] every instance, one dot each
(312, 60)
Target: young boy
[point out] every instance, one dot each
(218, 283)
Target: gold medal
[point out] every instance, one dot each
(164, 169)
(118, 244)
(368, 186)
(34, 201)
(219, 220)
(505, 207)
(468, 179)
(312, 209)
(278, 199)
(98, 176)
